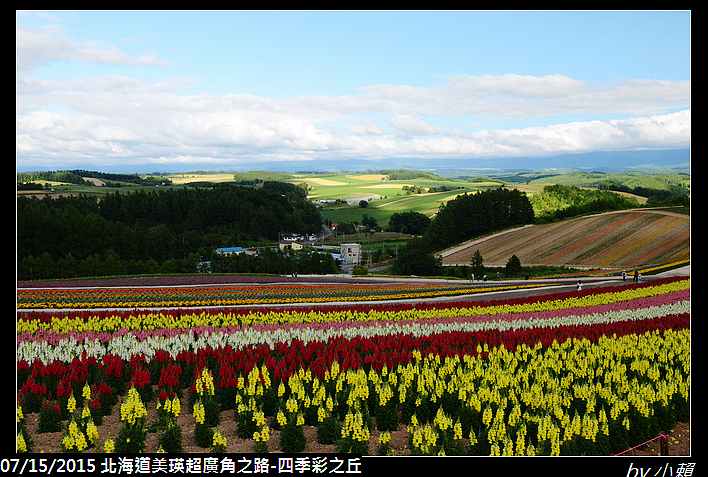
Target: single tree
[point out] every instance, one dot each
(477, 263)
(513, 266)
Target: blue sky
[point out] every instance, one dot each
(158, 90)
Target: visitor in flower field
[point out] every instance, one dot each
(580, 285)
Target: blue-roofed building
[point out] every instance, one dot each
(230, 250)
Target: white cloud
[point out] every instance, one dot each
(514, 96)
(368, 129)
(37, 46)
(242, 133)
(99, 118)
(659, 131)
(412, 126)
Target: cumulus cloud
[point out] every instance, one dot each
(98, 118)
(658, 131)
(38, 45)
(242, 133)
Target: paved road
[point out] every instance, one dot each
(553, 285)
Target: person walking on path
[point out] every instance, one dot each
(580, 285)
(624, 275)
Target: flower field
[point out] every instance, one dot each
(225, 295)
(590, 372)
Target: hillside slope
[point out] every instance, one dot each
(629, 238)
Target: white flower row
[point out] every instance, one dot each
(128, 344)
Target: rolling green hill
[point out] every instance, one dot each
(385, 197)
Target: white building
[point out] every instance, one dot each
(284, 245)
(351, 253)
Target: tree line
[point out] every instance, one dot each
(407, 175)
(673, 195)
(177, 226)
(77, 176)
(560, 202)
(461, 219)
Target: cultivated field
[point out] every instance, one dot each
(611, 240)
(180, 179)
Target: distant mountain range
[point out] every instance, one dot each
(621, 161)
(650, 161)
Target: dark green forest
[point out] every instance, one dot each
(407, 175)
(463, 218)
(166, 230)
(409, 223)
(472, 215)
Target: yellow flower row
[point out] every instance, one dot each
(354, 427)
(199, 412)
(170, 406)
(205, 383)
(646, 270)
(74, 438)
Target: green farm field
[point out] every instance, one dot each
(385, 197)
(383, 209)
